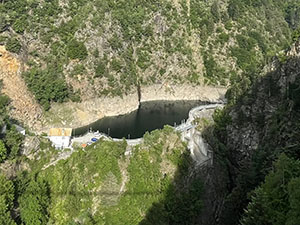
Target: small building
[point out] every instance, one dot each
(60, 137)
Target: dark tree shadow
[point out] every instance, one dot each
(186, 198)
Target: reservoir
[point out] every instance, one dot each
(150, 116)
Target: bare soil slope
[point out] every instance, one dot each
(24, 106)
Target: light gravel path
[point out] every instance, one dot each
(64, 154)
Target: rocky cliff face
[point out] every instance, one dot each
(23, 105)
(251, 133)
(253, 115)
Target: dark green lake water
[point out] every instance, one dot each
(150, 116)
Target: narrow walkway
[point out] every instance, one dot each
(131, 142)
(195, 113)
(64, 154)
(198, 147)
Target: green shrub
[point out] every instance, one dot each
(116, 65)
(20, 25)
(96, 53)
(221, 119)
(34, 202)
(259, 39)
(193, 77)
(246, 43)
(13, 141)
(76, 50)
(115, 42)
(234, 9)
(100, 70)
(214, 73)
(3, 23)
(3, 151)
(75, 96)
(219, 30)
(6, 200)
(215, 11)
(162, 71)
(78, 70)
(4, 101)
(223, 38)
(228, 25)
(46, 85)
(143, 59)
(2, 40)
(13, 45)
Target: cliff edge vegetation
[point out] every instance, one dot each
(256, 141)
(80, 49)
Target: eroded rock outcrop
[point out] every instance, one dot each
(24, 107)
(249, 136)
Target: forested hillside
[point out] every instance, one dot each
(77, 49)
(256, 141)
(10, 149)
(101, 185)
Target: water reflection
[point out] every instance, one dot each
(150, 116)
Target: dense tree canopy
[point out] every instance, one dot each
(6, 201)
(277, 200)
(34, 202)
(3, 151)
(47, 85)
(13, 45)
(13, 140)
(76, 50)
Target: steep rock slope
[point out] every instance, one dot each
(24, 106)
(251, 133)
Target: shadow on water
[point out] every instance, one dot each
(150, 116)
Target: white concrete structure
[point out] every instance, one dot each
(199, 149)
(3, 130)
(60, 137)
(20, 129)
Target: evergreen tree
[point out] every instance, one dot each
(6, 201)
(3, 151)
(34, 203)
(13, 140)
(277, 200)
